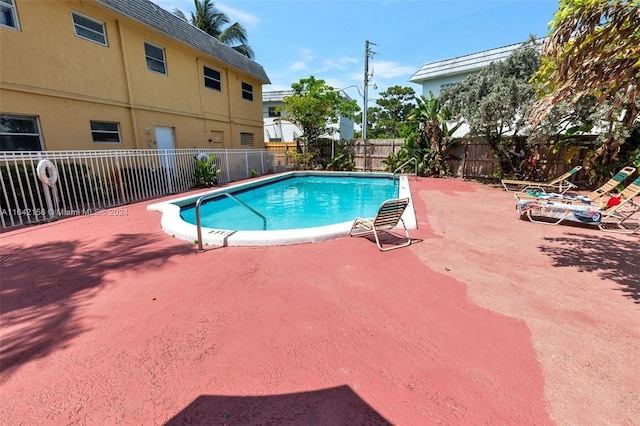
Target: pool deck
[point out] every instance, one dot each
(485, 319)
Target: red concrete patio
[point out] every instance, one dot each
(486, 319)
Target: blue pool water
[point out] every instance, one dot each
(296, 202)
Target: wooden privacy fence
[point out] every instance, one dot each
(472, 159)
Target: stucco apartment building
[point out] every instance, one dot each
(121, 74)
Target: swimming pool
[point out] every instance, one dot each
(299, 207)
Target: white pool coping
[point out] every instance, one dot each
(174, 225)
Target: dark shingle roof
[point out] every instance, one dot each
(167, 23)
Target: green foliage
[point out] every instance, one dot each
(214, 22)
(431, 145)
(495, 101)
(592, 56)
(411, 149)
(314, 106)
(390, 118)
(206, 173)
(342, 161)
(303, 161)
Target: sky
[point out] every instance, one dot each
(295, 39)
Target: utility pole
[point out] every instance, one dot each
(367, 54)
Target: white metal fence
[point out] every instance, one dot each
(87, 182)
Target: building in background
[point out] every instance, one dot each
(121, 74)
(435, 76)
(283, 131)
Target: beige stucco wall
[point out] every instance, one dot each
(66, 81)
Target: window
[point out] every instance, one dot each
(105, 132)
(89, 29)
(19, 133)
(155, 58)
(212, 79)
(8, 14)
(246, 139)
(273, 112)
(247, 91)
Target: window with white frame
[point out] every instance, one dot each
(212, 79)
(246, 139)
(155, 58)
(9, 14)
(19, 133)
(89, 29)
(247, 91)
(105, 132)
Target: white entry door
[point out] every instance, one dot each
(164, 140)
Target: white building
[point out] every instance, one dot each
(434, 76)
(284, 131)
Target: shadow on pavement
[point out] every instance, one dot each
(333, 406)
(606, 255)
(40, 314)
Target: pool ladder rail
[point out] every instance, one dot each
(404, 164)
(242, 203)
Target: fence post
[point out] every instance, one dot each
(168, 171)
(464, 159)
(120, 177)
(226, 160)
(262, 161)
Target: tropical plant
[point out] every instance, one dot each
(593, 53)
(494, 103)
(342, 161)
(302, 160)
(206, 173)
(314, 107)
(212, 21)
(432, 118)
(411, 149)
(431, 144)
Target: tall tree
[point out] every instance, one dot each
(213, 21)
(494, 104)
(593, 51)
(314, 107)
(389, 119)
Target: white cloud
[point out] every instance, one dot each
(245, 19)
(169, 5)
(388, 70)
(235, 15)
(338, 64)
(305, 58)
(298, 66)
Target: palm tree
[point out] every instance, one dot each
(211, 20)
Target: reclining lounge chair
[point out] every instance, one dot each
(590, 198)
(619, 216)
(623, 217)
(389, 216)
(559, 184)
